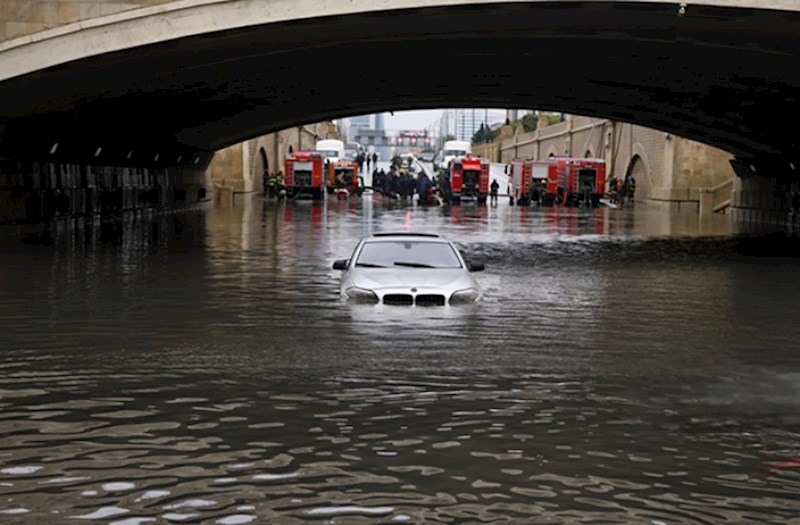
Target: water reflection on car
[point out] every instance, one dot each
(408, 269)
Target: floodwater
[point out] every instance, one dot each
(625, 366)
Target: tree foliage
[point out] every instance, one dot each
(485, 134)
(530, 122)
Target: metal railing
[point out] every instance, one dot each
(718, 198)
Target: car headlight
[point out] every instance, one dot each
(465, 296)
(361, 295)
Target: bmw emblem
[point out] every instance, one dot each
(413, 289)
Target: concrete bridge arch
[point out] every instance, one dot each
(640, 166)
(227, 69)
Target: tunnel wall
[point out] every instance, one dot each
(32, 192)
(766, 200)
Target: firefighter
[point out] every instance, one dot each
(272, 185)
(586, 193)
(493, 189)
(360, 161)
(630, 187)
(613, 183)
(397, 162)
(443, 183)
(533, 193)
(280, 184)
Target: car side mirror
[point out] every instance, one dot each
(475, 266)
(341, 264)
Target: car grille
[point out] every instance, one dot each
(398, 299)
(430, 300)
(401, 299)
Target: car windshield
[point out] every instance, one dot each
(330, 153)
(412, 254)
(455, 153)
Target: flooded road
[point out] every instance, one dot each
(625, 366)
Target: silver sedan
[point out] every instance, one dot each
(408, 269)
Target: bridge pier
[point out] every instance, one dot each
(40, 192)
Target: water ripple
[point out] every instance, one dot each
(208, 372)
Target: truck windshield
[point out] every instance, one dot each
(408, 254)
(455, 153)
(330, 153)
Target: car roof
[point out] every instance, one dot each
(406, 236)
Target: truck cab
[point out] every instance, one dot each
(305, 175)
(452, 149)
(534, 176)
(333, 150)
(469, 178)
(581, 181)
(343, 174)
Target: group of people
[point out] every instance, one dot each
(401, 184)
(274, 184)
(371, 160)
(622, 192)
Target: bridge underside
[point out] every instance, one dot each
(721, 76)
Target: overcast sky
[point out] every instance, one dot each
(420, 119)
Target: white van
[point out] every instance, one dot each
(452, 149)
(332, 149)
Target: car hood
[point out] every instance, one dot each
(378, 278)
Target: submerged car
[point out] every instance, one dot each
(408, 269)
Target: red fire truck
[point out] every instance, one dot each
(305, 174)
(580, 181)
(343, 174)
(529, 176)
(469, 178)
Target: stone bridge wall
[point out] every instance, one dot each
(25, 17)
(239, 168)
(671, 170)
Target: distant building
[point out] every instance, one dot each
(463, 123)
(356, 124)
(368, 130)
